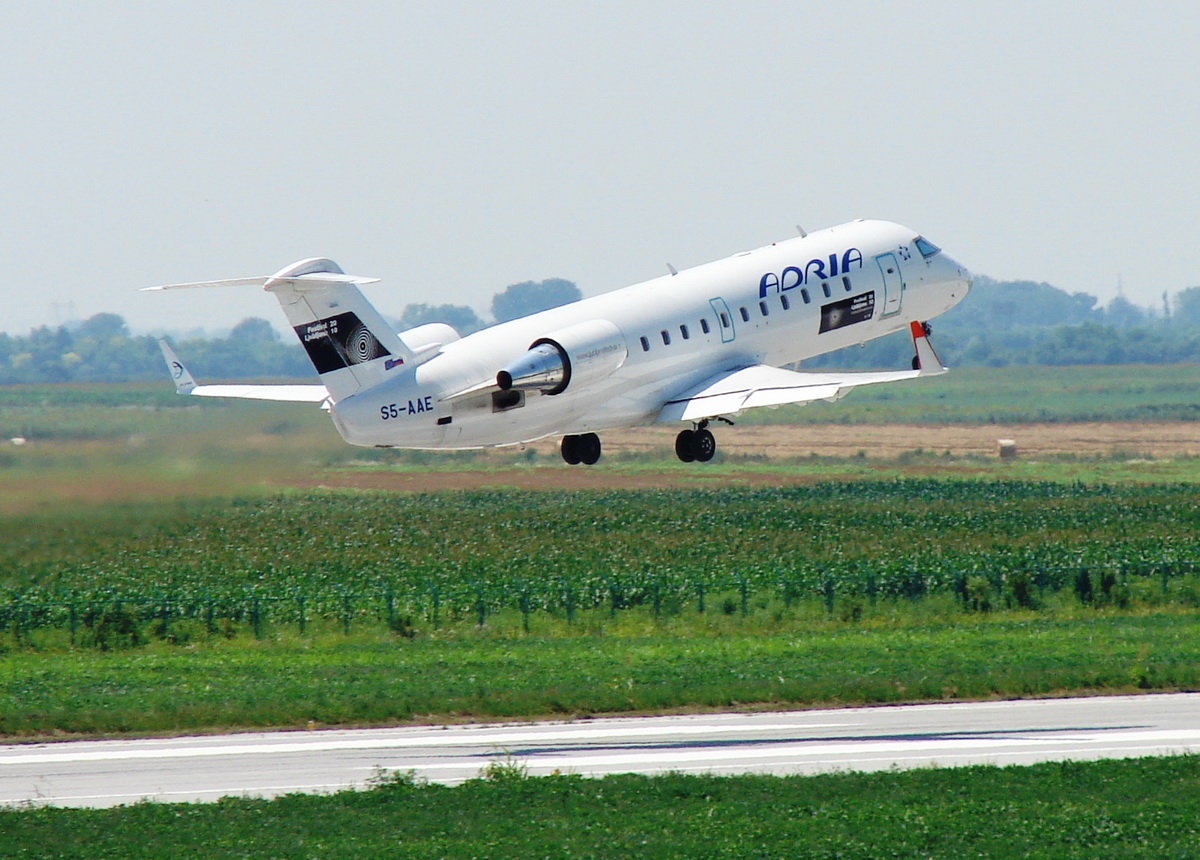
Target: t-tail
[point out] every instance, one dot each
(348, 342)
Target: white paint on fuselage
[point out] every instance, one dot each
(635, 393)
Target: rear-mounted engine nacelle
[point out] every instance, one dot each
(576, 355)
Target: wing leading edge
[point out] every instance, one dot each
(730, 392)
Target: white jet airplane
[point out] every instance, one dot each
(693, 346)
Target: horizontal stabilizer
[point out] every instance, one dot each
(350, 345)
(272, 283)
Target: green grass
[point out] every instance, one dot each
(622, 665)
(1126, 809)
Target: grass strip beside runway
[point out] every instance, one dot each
(1128, 809)
(376, 679)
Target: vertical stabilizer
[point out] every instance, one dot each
(346, 339)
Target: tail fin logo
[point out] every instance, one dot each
(338, 342)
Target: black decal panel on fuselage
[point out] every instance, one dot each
(846, 312)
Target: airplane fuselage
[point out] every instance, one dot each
(775, 305)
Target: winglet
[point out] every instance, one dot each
(184, 383)
(925, 359)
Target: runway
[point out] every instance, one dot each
(108, 773)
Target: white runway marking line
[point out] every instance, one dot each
(139, 795)
(852, 748)
(13, 755)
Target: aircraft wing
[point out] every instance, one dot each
(289, 393)
(732, 391)
(762, 385)
(185, 384)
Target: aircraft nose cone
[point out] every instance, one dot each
(957, 271)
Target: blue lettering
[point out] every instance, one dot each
(415, 407)
(819, 270)
(799, 278)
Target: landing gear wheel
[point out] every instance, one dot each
(704, 445)
(685, 445)
(570, 450)
(589, 448)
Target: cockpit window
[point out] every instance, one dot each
(927, 248)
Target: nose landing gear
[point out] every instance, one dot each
(581, 449)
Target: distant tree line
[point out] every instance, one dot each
(101, 348)
(1005, 323)
(1001, 323)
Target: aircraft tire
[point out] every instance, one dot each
(570, 450)
(589, 449)
(704, 445)
(685, 445)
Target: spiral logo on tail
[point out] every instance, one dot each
(362, 346)
(341, 341)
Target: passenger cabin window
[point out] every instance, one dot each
(787, 305)
(846, 283)
(666, 337)
(825, 288)
(645, 345)
(683, 332)
(804, 295)
(762, 306)
(724, 320)
(745, 314)
(927, 248)
(704, 326)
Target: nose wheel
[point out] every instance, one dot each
(697, 445)
(581, 449)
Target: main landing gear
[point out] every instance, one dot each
(581, 449)
(697, 445)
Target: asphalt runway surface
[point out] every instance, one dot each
(112, 772)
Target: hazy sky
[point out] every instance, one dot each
(455, 148)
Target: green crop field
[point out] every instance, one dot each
(990, 544)
(617, 595)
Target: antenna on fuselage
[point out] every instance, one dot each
(800, 230)
(672, 269)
